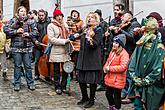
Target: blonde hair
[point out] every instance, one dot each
(96, 16)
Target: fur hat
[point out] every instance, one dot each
(121, 39)
(57, 11)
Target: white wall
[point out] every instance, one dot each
(8, 6)
(149, 6)
(85, 6)
(47, 5)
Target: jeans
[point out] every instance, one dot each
(125, 91)
(24, 58)
(37, 54)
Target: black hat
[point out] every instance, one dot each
(98, 11)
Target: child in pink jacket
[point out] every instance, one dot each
(116, 67)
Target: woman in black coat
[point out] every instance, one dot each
(89, 59)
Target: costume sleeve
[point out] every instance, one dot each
(155, 74)
(132, 64)
(123, 64)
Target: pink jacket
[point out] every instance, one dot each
(116, 76)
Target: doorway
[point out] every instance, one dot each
(18, 3)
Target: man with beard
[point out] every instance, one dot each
(41, 25)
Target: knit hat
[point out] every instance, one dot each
(157, 16)
(57, 11)
(121, 39)
(98, 11)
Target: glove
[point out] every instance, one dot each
(138, 81)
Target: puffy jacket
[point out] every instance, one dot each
(116, 76)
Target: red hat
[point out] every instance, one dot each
(57, 11)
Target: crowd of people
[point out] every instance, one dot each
(122, 57)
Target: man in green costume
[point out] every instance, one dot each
(146, 68)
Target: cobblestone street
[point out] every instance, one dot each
(44, 97)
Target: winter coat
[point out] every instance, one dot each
(131, 39)
(3, 41)
(58, 52)
(42, 29)
(89, 57)
(116, 76)
(17, 40)
(76, 43)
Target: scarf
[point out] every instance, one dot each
(63, 30)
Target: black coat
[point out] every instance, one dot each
(131, 39)
(89, 57)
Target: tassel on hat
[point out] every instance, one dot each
(57, 11)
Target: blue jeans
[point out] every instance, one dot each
(125, 91)
(24, 58)
(37, 55)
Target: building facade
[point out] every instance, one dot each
(84, 6)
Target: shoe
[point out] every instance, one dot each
(16, 88)
(126, 101)
(59, 91)
(89, 104)
(83, 101)
(47, 79)
(123, 97)
(31, 87)
(36, 77)
(65, 91)
(100, 88)
(4, 76)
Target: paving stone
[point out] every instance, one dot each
(44, 97)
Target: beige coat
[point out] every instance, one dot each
(58, 53)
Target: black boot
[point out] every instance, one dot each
(85, 98)
(57, 84)
(92, 96)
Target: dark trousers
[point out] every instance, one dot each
(74, 57)
(113, 96)
(83, 87)
(59, 84)
(37, 54)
